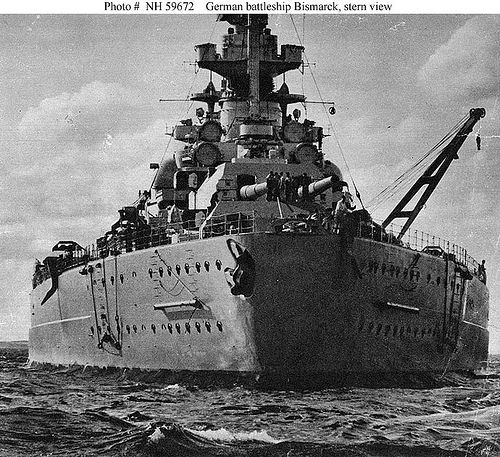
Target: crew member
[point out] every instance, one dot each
(481, 271)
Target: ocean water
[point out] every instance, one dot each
(70, 412)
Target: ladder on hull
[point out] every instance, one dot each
(454, 302)
(101, 307)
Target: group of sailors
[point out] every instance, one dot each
(284, 187)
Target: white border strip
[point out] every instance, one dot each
(80, 318)
(169, 8)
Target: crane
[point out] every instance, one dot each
(432, 175)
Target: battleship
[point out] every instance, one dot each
(251, 257)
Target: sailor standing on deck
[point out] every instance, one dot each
(481, 271)
(270, 182)
(306, 180)
(345, 221)
(337, 188)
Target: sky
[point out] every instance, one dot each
(80, 121)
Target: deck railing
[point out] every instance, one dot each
(417, 240)
(162, 233)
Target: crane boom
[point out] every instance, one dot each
(432, 175)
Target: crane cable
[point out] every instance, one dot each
(410, 174)
(323, 104)
(416, 169)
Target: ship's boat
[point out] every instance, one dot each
(249, 256)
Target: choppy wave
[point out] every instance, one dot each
(68, 412)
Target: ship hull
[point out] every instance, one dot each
(306, 306)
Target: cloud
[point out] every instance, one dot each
(467, 67)
(84, 117)
(79, 158)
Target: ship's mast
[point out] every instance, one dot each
(253, 53)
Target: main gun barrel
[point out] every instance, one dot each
(253, 191)
(317, 187)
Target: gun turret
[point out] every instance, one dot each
(253, 191)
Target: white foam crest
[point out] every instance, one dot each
(173, 387)
(222, 434)
(156, 436)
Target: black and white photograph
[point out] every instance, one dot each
(234, 234)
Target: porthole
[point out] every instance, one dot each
(160, 270)
(92, 330)
(134, 274)
(188, 327)
(169, 270)
(99, 330)
(218, 264)
(128, 329)
(387, 330)
(112, 279)
(208, 326)
(219, 326)
(150, 271)
(207, 265)
(178, 269)
(384, 267)
(169, 326)
(405, 273)
(438, 280)
(371, 326)
(401, 332)
(198, 327)
(178, 328)
(121, 279)
(379, 329)
(153, 327)
(163, 327)
(375, 267)
(143, 327)
(187, 267)
(395, 331)
(103, 282)
(134, 328)
(391, 270)
(429, 278)
(398, 270)
(198, 266)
